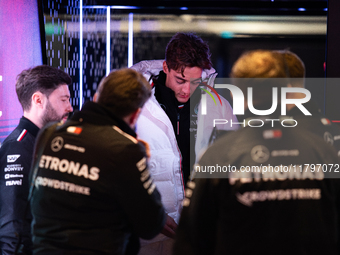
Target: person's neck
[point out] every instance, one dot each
(34, 118)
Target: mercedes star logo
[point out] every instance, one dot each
(328, 138)
(259, 154)
(57, 143)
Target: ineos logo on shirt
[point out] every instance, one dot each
(57, 143)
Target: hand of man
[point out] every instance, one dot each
(169, 227)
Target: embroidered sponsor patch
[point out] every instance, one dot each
(14, 183)
(13, 168)
(325, 121)
(141, 164)
(151, 189)
(9, 176)
(12, 158)
(145, 175)
(147, 184)
(21, 136)
(260, 153)
(74, 130)
(272, 133)
(57, 144)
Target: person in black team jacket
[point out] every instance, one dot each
(44, 96)
(93, 192)
(265, 194)
(317, 122)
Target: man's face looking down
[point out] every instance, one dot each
(183, 85)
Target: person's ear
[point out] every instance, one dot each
(95, 97)
(165, 68)
(38, 99)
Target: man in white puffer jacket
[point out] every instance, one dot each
(168, 124)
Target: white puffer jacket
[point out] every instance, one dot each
(155, 127)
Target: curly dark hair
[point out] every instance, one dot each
(187, 50)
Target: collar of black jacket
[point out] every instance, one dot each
(163, 94)
(96, 114)
(29, 126)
